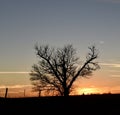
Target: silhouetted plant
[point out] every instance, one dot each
(58, 69)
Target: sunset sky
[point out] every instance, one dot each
(23, 23)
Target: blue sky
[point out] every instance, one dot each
(82, 23)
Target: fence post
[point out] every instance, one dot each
(24, 92)
(6, 92)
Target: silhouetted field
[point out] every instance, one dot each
(106, 104)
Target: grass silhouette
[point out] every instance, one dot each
(99, 104)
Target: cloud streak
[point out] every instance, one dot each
(18, 72)
(115, 76)
(117, 65)
(101, 42)
(15, 86)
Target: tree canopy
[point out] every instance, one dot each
(58, 68)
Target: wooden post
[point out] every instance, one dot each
(24, 92)
(6, 92)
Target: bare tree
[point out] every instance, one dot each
(57, 69)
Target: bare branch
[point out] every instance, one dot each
(57, 70)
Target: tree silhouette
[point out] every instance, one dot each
(58, 68)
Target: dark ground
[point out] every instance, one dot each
(107, 104)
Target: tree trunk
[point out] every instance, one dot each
(66, 92)
(39, 93)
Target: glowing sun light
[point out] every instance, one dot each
(88, 91)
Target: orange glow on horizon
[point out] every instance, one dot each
(88, 91)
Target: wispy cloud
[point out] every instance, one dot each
(18, 72)
(117, 65)
(101, 42)
(15, 86)
(115, 76)
(113, 71)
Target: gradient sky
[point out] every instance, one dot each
(82, 23)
